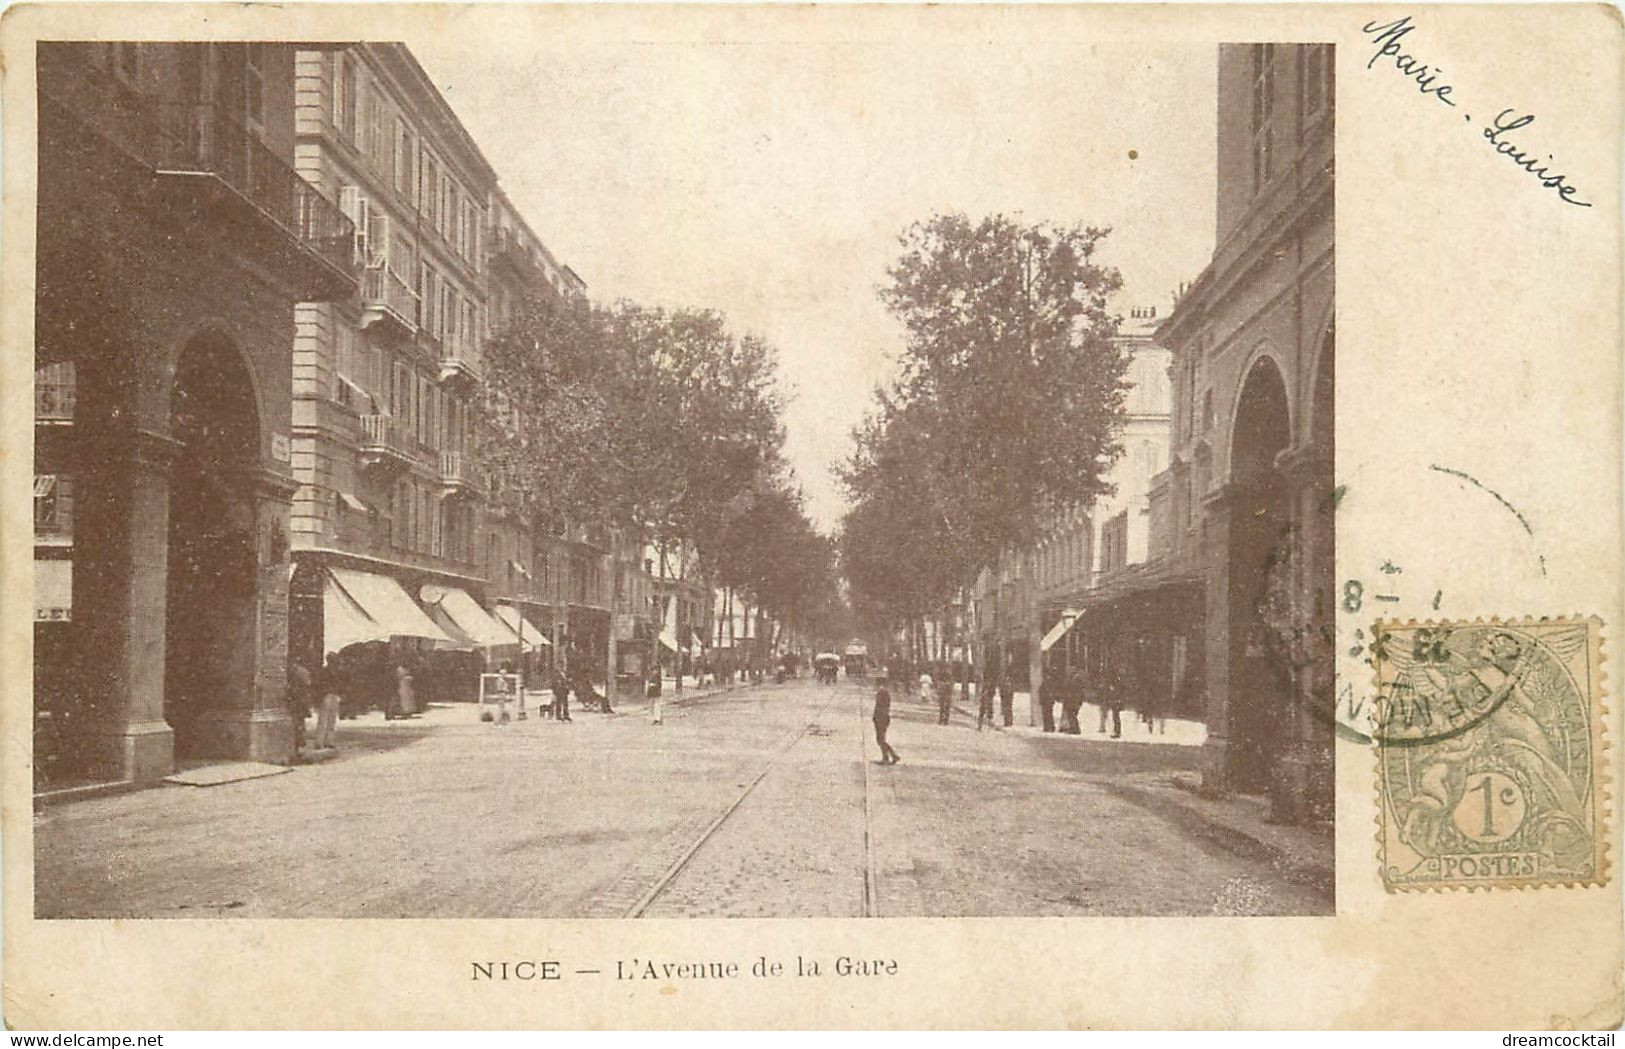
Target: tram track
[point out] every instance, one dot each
(675, 870)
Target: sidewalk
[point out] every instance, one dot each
(1302, 854)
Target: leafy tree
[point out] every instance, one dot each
(1007, 404)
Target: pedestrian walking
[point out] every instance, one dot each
(328, 685)
(404, 701)
(882, 720)
(561, 696)
(1046, 701)
(945, 697)
(1007, 700)
(984, 703)
(1113, 698)
(300, 684)
(1071, 701)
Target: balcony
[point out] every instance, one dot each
(250, 197)
(457, 474)
(509, 250)
(459, 365)
(382, 444)
(54, 402)
(388, 302)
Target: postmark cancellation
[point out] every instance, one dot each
(1491, 757)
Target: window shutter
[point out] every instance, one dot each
(380, 241)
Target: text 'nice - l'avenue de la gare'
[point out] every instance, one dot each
(1430, 81)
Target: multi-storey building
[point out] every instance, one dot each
(388, 511)
(1028, 603)
(174, 239)
(1090, 566)
(685, 607)
(525, 566)
(1244, 505)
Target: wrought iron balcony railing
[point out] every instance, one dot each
(385, 294)
(180, 138)
(457, 472)
(382, 440)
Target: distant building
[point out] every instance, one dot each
(1092, 563)
(1244, 506)
(175, 237)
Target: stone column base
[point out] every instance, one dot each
(1216, 779)
(245, 735)
(1302, 786)
(142, 752)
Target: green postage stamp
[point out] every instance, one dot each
(1491, 763)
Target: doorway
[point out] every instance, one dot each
(212, 587)
(1260, 552)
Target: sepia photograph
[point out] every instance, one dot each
(402, 523)
(780, 515)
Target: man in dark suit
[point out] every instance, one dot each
(882, 720)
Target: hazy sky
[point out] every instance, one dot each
(771, 180)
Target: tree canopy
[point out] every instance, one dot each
(1006, 406)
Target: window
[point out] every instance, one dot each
(469, 245)
(53, 505)
(344, 367)
(1263, 113)
(430, 197)
(377, 145)
(454, 216)
(344, 97)
(425, 407)
(254, 60)
(401, 400)
(429, 303)
(1318, 83)
(406, 171)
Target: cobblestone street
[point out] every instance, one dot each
(757, 802)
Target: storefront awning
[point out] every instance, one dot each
(53, 591)
(387, 604)
(344, 622)
(699, 642)
(512, 618)
(668, 638)
(467, 617)
(1068, 620)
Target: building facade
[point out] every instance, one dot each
(1028, 603)
(1095, 612)
(175, 237)
(1245, 504)
(385, 380)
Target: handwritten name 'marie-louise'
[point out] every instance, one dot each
(1387, 36)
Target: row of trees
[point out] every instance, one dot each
(1006, 406)
(661, 425)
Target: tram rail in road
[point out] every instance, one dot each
(670, 875)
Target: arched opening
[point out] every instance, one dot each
(1260, 538)
(212, 586)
